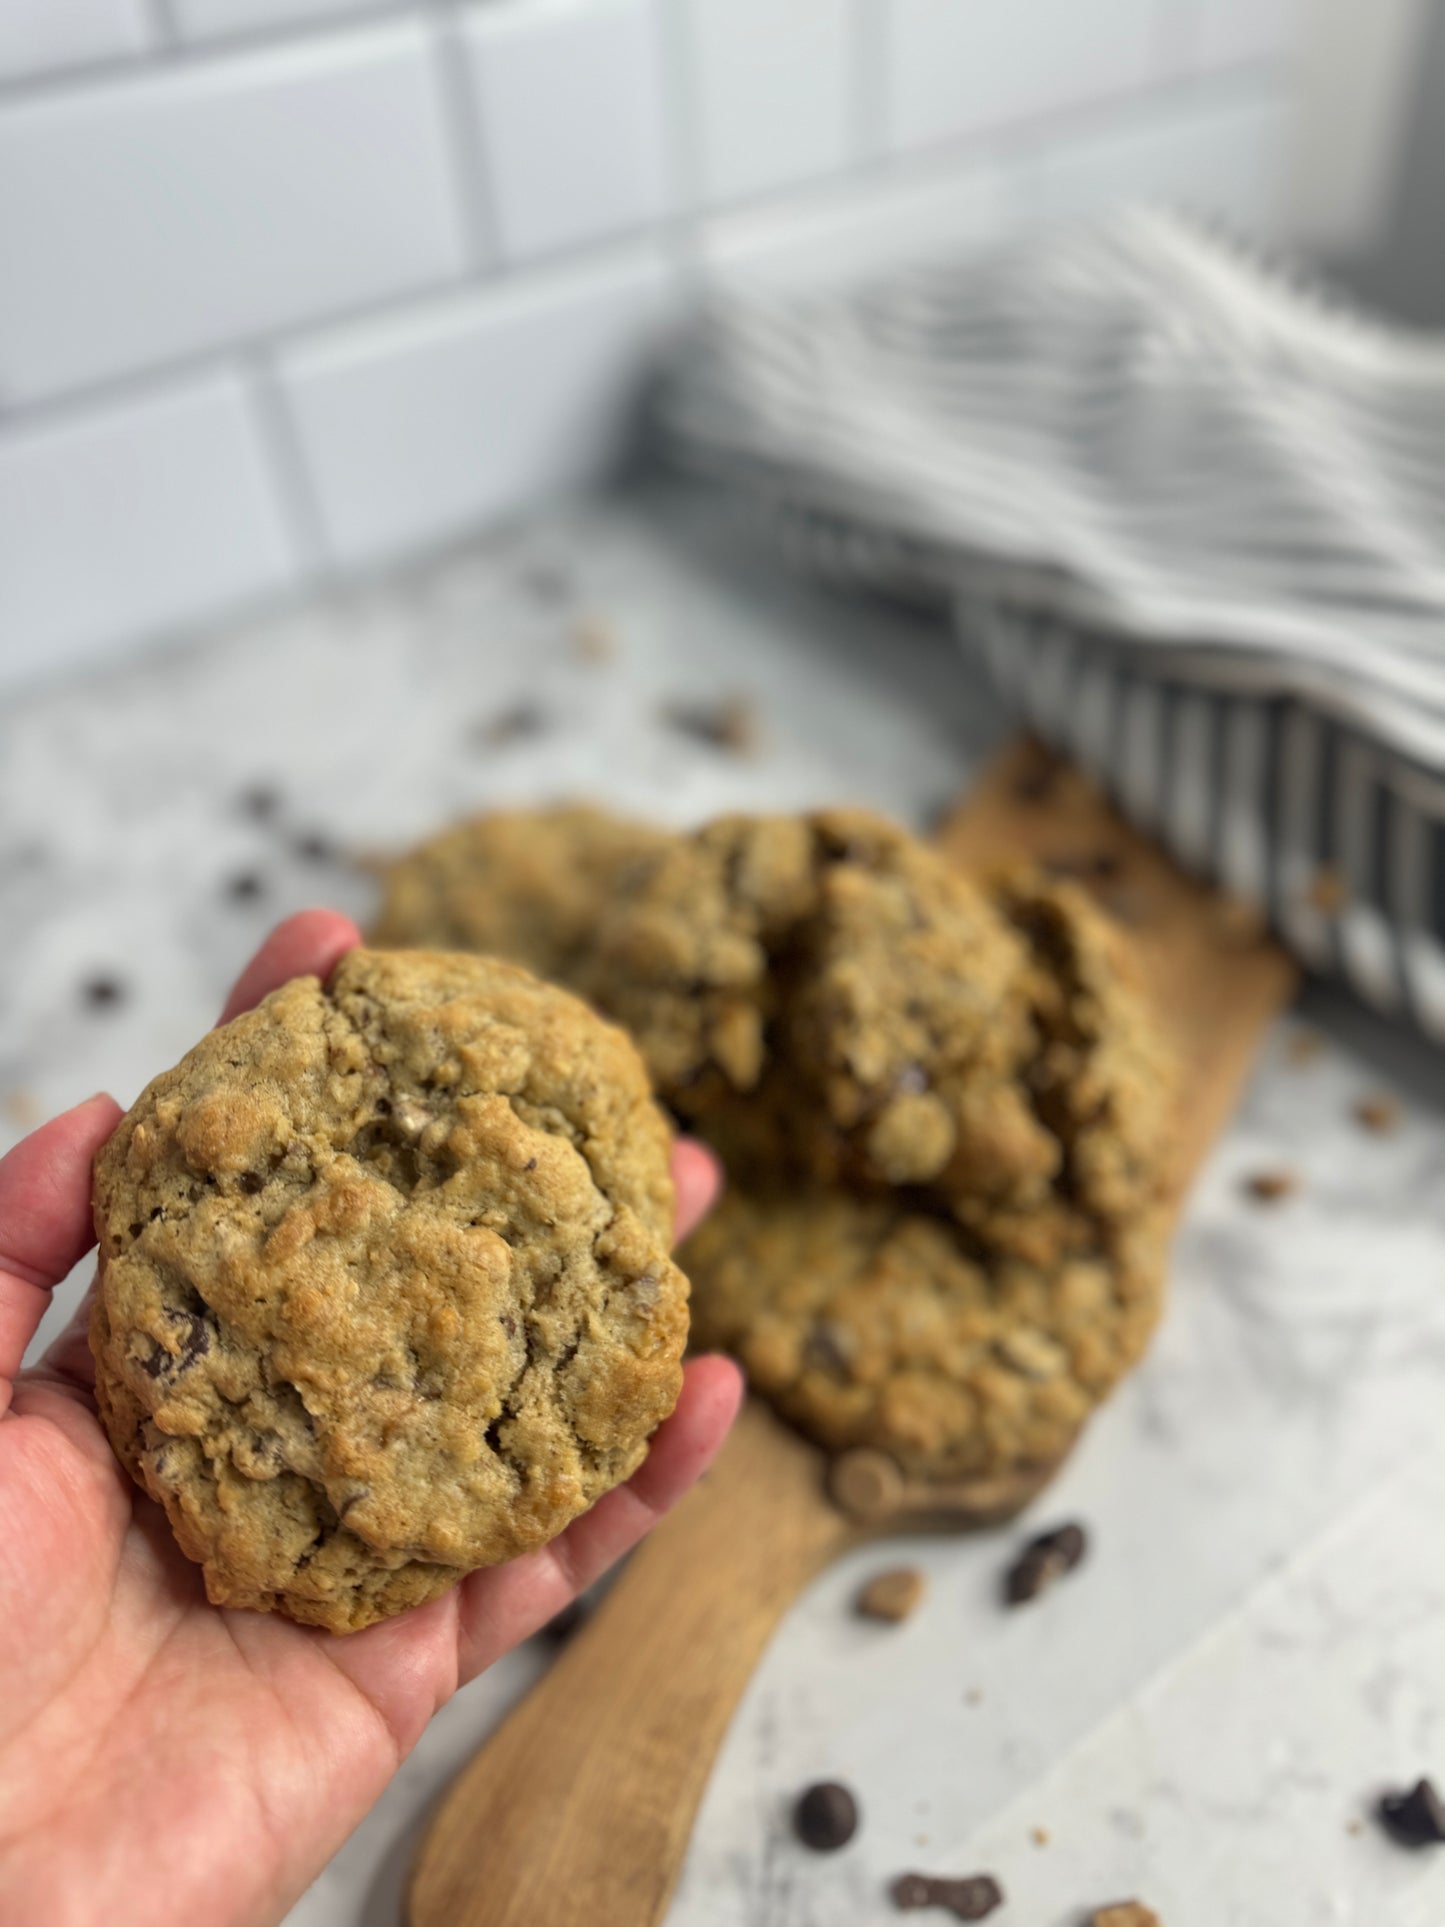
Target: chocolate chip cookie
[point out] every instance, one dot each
(385, 1292)
(528, 885)
(972, 1340)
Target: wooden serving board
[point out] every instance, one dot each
(581, 1805)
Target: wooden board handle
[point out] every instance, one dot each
(580, 1806)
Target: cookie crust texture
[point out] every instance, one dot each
(385, 1289)
(525, 884)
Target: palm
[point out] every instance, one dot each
(161, 1760)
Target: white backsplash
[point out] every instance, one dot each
(288, 287)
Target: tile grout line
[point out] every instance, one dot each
(173, 52)
(687, 210)
(464, 139)
(163, 24)
(1000, 149)
(285, 458)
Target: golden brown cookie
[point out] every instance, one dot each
(528, 885)
(385, 1291)
(824, 996)
(972, 1336)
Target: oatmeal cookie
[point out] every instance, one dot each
(973, 1340)
(385, 1291)
(867, 1323)
(825, 996)
(528, 885)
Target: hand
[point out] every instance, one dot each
(163, 1761)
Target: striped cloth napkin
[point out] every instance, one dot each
(1192, 514)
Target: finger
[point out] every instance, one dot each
(45, 1224)
(68, 1356)
(697, 1178)
(503, 1605)
(310, 944)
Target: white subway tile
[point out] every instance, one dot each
(131, 518)
(771, 90)
(1226, 33)
(569, 98)
(1223, 158)
(37, 36)
(161, 216)
(201, 19)
(850, 233)
(959, 67)
(420, 426)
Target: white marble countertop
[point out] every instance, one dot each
(1204, 1713)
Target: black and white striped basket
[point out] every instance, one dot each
(1192, 516)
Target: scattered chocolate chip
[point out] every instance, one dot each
(260, 800)
(244, 887)
(1270, 1187)
(1124, 1913)
(514, 725)
(1416, 1818)
(892, 1595)
(731, 724)
(1304, 1047)
(973, 1897)
(102, 992)
(561, 1626)
(250, 1183)
(1380, 1114)
(1328, 892)
(547, 582)
(530, 1165)
(593, 642)
(508, 1323)
(826, 1817)
(312, 847)
(1044, 1560)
